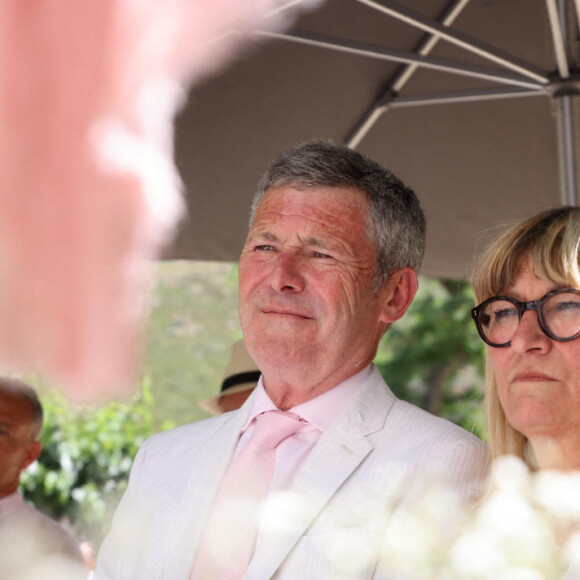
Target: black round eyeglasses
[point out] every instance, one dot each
(498, 318)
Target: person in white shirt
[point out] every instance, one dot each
(330, 262)
(32, 546)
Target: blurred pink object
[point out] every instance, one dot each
(88, 190)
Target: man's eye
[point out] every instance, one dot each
(321, 255)
(264, 248)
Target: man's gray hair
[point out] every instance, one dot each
(396, 223)
(21, 390)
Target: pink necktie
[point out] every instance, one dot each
(229, 538)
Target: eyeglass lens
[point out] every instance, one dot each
(560, 313)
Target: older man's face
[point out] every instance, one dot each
(306, 304)
(17, 445)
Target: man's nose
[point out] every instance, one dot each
(529, 336)
(287, 273)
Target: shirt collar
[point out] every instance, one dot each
(10, 504)
(319, 411)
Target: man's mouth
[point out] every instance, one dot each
(285, 312)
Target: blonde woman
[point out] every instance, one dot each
(527, 287)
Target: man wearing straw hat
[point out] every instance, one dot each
(301, 482)
(240, 379)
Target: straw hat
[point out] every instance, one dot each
(241, 374)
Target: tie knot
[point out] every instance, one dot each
(272, 427)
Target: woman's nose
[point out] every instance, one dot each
(529, 335)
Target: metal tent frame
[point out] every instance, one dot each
(515, 78)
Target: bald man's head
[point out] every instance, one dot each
(20, 427)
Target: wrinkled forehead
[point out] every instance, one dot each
(333, 204)
(337, 191)
(336, 202)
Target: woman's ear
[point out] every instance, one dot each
(398, 293)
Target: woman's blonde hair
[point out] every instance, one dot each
(550, 241)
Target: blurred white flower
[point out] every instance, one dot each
(571, 555)
(558, 493)
(510, 474)
(477, 555)
(520, 573)
(349, 551)
(525, 527)
(283, 511)
(511, 514)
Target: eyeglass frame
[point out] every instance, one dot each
(522, 307)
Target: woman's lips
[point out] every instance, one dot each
(532, 376)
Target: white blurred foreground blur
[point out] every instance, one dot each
(526, 527)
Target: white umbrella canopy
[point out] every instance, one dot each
(473, 103)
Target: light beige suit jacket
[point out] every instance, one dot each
(34, 547)
(376, 458)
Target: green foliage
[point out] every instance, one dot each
(190, 331)
(433, 356)
(86, 459)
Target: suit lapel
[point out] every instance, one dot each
(205, 468)
(338, 453)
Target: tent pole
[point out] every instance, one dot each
(400, 78)
(566, 150)
(562, 18)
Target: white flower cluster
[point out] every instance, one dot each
(526, 527)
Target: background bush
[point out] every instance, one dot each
(433, 356)
(85, 461)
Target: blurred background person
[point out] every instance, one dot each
(240, 379)
(32, 546)
(527, 285)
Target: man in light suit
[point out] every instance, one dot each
(329, 264)
(32, 546)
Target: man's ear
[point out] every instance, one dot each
(32, 454)
(398, 293)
